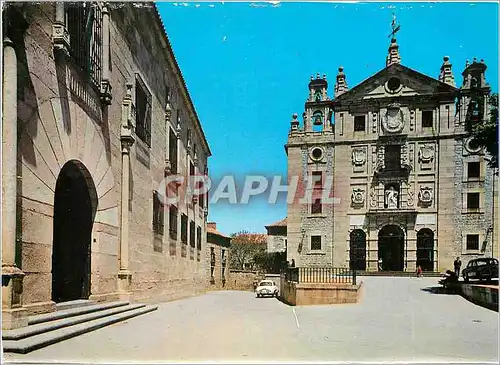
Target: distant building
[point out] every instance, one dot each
(276, 236)
(412, 189)
(217, 255)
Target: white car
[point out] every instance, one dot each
(266, 288)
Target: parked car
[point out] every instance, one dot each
(266, 288)
(481, 269)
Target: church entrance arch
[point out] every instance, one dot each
(75, 205)
(391, 248)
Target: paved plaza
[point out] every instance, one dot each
(395, 321)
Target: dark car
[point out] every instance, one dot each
(481, 269)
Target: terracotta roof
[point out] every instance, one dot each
(281, 223)
(212, 229)
(255, 238)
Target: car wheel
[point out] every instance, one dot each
(466, 278)
(258, 295)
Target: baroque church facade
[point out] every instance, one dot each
(409, 189)
(96, 114)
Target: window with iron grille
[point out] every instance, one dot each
(192, 232)
(142, 111)
(315, 242)
(84, 24)
(198, 238)
(172, 151)
(316, 207)
(317, 180)
(472, 242)
(173, 222)
(157, 214)
(184, 228)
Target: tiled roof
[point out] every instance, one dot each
(212, 230)
(280, 223)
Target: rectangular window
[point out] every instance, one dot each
(198, 238)
(472, 242)
(427, 118)
(142, 111)
(473, 170)
(315, 242)
(172, 151)
(184, 228)
(359, 123)
(173, 222)
(191, 169)
(84, 24)
(472, 200)
(316, 207)
(192, 234)
(157, 214)
(392, 157)
(317, 180)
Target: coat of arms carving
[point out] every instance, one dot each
(426, 153)
(393, 120)
(425, 194)
(358, 156)
(358, 196)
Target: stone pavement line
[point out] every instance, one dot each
(296, 319)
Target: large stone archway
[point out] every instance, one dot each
(75, 206)
(391, 248)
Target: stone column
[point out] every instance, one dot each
(127, 140)
(106, 95)
(13, 315)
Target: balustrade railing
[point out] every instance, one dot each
(320, 275)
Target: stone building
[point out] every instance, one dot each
(410, 189)
(96, 114)
(276, 236)
(217, 256)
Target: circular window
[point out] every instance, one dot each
(317, 153)
(393, 84)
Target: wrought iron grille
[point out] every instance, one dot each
(158, 224)
(84, 23)
(173, 222)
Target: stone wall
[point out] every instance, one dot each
(243, 280)
(61, 118)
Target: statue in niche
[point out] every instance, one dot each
(391, 198)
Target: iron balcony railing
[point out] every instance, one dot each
(320, 275)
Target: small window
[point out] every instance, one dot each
(359, 123)
(317, 180)
(472, 242)
(472, 200)
(427, 117)
(173, 222)
(172, 151)
(392, 157)
(316, 206)
(473, 170)
(192, 234)
(184, 228)
(142, 111)
(157, 214)
(198, 238)
(315, 242)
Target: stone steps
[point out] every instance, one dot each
(50, 328)
(397, 273)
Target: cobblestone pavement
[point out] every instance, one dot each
(395, 321)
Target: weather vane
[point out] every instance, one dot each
(395, 27)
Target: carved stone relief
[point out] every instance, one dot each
(469, 148)
(380, 158)
(425, 194)
(412, 120)
(373, 197)
(410, 194)
(374, 122)
(426, 153)
(358, 196)
(358, 156)
(393, 120)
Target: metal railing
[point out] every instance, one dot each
(320, 275)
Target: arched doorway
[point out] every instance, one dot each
(425, 249)
(357, 250)
(75, 205)
(391, 248)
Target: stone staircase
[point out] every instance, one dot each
(69, 320)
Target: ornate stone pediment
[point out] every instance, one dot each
(358, 156)
(358, 196)
(425, 194)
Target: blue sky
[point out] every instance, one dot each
(247, 66)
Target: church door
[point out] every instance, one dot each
(391, 248)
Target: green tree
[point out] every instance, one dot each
(484, 133)
(244, 247)
(270, 262)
